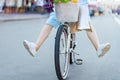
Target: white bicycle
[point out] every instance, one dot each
(64, 51)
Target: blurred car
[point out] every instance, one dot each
(91, 12)
(118, 11)
(100, 10)
(94, 10)
(113, 11)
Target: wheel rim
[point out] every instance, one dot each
(63, 55)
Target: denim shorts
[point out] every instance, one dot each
(52, 20)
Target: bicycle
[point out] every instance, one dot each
(64, 51)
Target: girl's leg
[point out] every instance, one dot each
(93, 37)
(43, 36)
(100, 48)
(32, 47)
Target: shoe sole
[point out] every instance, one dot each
(26, 46)
(105, 50)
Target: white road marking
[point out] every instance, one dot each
(117, 19)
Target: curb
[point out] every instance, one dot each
(21, 17)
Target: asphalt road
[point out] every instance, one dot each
(17, 64)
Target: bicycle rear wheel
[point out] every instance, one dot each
(61, 53)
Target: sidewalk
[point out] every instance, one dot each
(25, 16)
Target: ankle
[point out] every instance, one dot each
(36, 48)
(97, 48)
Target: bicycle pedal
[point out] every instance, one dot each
(78, 61)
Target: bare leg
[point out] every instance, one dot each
(43, 36)
(93, 37)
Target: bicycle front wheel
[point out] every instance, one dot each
(61, 53)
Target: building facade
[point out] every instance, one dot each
(19, 6)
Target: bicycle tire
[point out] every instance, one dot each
(61, 30)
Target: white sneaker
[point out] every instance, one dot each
(102, 49)
(30, 46)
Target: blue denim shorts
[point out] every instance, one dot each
(52, 20)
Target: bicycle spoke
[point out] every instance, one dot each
(63, 54)
(63, 62)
